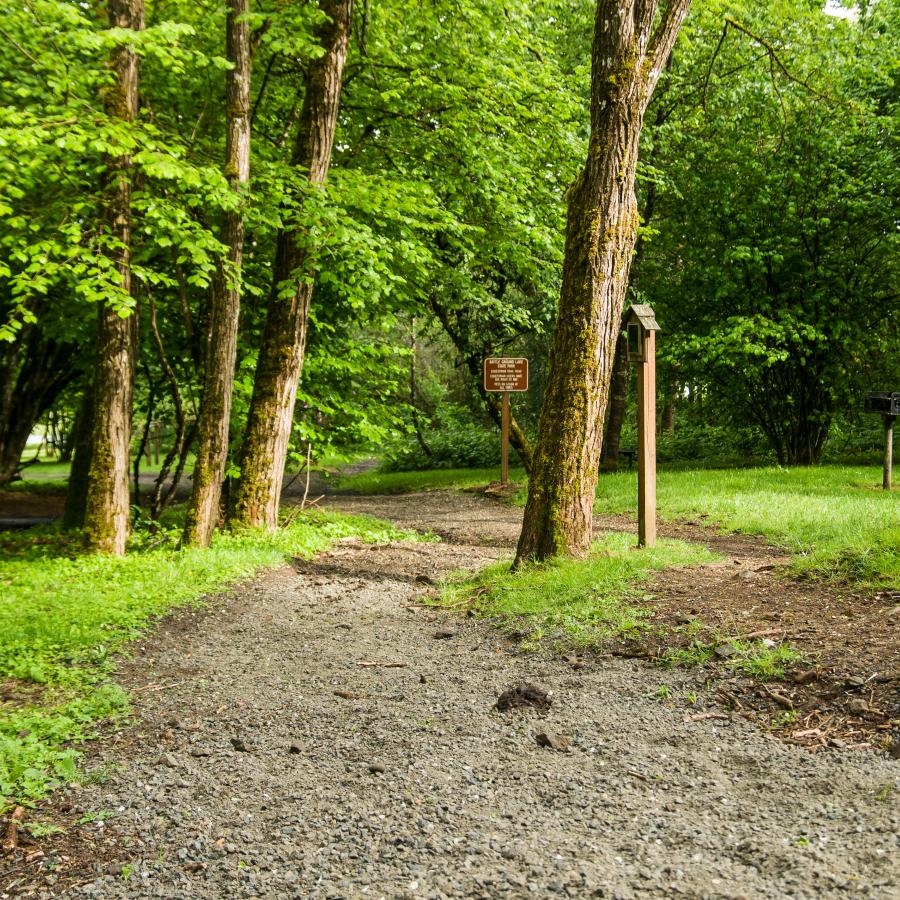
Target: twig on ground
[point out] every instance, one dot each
(699, 717)
(11, 839)
(382, 665)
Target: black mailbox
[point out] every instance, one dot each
(884, 402)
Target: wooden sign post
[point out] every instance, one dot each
(506, 375)
(887, 405)
(641, 328)
(888, 452)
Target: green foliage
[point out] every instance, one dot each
(581, 602)
(776, 251)
(455, 442)
(702, 445)
(755, 658)
(64, 616)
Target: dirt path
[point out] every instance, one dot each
(278, 754)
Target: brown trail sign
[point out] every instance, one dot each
(507, 374)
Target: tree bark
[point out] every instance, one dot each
(76, 491)
(107, 516)
(618, 398)
(225, 303)
(269, 420)
(601, 229)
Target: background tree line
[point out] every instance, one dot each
(198, 203)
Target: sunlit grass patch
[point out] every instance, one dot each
(64, 615)
(832, 519)
(376, 482)
(582, 602)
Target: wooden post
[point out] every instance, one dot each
(888, 451)
(504, 440)
(646, 382)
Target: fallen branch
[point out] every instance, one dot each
(700, 717)
(780, 699)
(382, 665)
(11, 839)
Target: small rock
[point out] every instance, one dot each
(377, 768)
(554, 741)
(239, 745)
(201, 751)
(170, 760)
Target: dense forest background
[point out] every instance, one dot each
(768, 247)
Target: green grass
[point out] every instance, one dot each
(376, 482)
(755, 658)
(580, 602)
(835, 520)
(64, 615)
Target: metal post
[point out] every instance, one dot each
(504, 439)
(646, 381)
(888, 451)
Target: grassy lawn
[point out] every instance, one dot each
(835, 520)
(579, 602)
(376, 482)
(64, 615)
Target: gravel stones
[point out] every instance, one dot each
(644, 804)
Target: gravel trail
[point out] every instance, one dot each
(249, 776)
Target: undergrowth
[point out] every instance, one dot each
(756, 658)
(577, 602)
(64, 615)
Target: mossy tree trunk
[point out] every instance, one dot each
(628, 56)
(107, 516)
(618, 401)
(225, 301)
(266, 437)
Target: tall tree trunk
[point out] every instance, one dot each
(76, 491)
(225, 303)
(618, 398)
(670, 406)
(269, 420)
(627, 57)
(107, 517)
